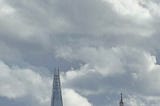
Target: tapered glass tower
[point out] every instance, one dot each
(56, 91)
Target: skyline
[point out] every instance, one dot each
(103, 47)
(57, 97)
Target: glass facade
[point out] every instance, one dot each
(56, 91)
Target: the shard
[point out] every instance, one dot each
(56, 91)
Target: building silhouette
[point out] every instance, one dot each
(56, 99)
(56, 91)
(121, 101)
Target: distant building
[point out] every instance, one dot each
(56, 91)
(121, 101)
(56, 99)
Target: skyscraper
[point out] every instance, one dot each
(56, 91)
(121, 101)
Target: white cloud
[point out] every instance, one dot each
(134, 101)
(17, 83)
(153, 7)
(5, 9)
(134, 71)
(131, 8)
(71, 98)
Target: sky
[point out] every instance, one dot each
(102, 47)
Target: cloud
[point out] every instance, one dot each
(131, 8)
(134, 72)
(112, 46)
(19, 83)
(71, 98)
(5, 9)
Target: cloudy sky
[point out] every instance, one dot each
(103, 48)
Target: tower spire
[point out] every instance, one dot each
(121, 101)
(56, 91)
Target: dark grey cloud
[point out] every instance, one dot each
(112, 46)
